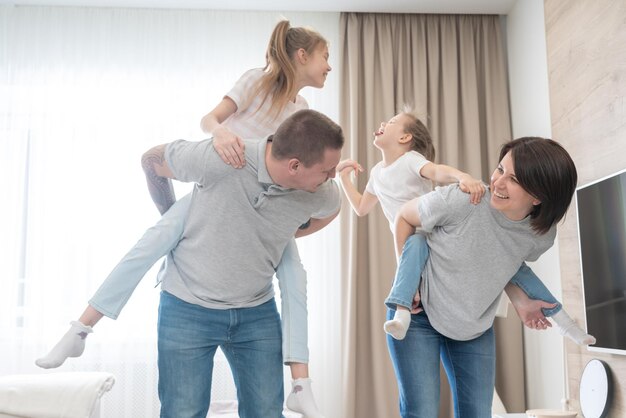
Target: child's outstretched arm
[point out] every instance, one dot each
(441, 173)
(362, 204)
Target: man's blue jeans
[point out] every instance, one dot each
(470, 367)
(188, 336)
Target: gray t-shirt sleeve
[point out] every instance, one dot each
(446, 205)
(195, 161)
(331, 198)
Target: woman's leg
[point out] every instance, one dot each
(406, 285)
(416, 364)
(292, 281)
(117, 288)
(471, 370)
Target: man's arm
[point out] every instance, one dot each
(158, 175)
(315, 225)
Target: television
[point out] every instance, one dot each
(602, 244)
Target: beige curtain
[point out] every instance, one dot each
(451, 69)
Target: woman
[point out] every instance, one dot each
(474, 251)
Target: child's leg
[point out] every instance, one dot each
(406, 284)
(292, 282)
(117, 288)
(534, 288)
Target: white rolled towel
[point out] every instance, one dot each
(53, 395)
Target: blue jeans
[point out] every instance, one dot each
(188, 338)
(469, 365)
(409, 272)
(163, 237)
(534, 288)
(411, 264)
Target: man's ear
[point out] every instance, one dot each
(293, 165)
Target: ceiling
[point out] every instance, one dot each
(501, 7)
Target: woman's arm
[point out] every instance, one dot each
(407, 220)
(362, 204)
(528, 310)
(441, 173)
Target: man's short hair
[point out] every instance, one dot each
(305, 135)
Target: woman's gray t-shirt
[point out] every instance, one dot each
(474, 252)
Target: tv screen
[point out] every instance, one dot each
(602, 231)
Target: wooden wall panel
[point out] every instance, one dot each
(586, 44)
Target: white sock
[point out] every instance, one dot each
(72, 344)
(301, 399)
(398, 326)
(568, 328)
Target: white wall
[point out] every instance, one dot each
(530, 109)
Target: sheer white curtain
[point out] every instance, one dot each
(83, 92)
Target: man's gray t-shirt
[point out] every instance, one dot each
(474, 251)
(237, 228)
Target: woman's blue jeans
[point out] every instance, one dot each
(188, 337)
(469, 365)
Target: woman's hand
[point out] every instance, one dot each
(229, 147)
(475, 188)
(528, 310)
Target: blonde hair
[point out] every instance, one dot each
(278, 84)
(421, 141)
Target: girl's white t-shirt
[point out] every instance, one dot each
(252, 122)
(397, 183)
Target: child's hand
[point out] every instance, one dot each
(348, 166)
(475, 188)
(415, 307)
(229, 147)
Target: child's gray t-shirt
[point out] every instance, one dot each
(238, 225)
(474, 252)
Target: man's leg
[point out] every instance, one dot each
(254, 354)
(188, 338)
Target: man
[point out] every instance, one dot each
(217, 286)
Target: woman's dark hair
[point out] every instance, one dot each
(545, 170)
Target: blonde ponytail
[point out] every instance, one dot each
(278, 84)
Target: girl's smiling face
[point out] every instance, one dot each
(390, 132)
(507, 195)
